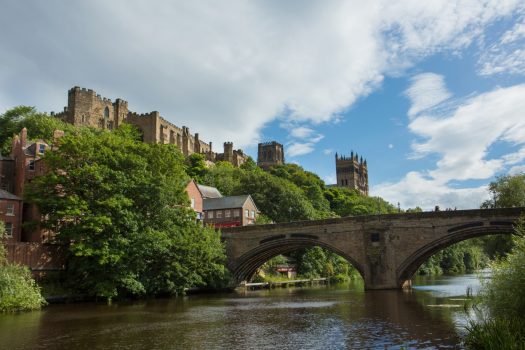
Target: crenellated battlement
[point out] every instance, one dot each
(87, 108)
(352, 172)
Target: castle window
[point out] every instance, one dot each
(110, 125)
(374, 237)
(106, 113)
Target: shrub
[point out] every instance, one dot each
(18, 290)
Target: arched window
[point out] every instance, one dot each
(106, 113)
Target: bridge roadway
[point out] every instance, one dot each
(386, 249)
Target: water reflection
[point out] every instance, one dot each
(294, 318)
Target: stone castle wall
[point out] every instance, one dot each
(86, 108)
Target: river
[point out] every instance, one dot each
(430, 316)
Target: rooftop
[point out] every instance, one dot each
(226, 202)
(8, 195)
(209, 192)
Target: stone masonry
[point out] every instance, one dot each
(385, 249)
(87, 108)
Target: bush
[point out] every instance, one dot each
(18, 290)
(504, 293)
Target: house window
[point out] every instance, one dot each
(236, 213)
(31, 164)
(227, 213)
(10, 209)
(247, 213)
(219, 214)
(9, 229)
(253, 214)
(41, 148)
(193, 203)
(210, 214)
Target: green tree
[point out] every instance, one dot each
(196, 166)
(39, 126)
(504, 296)
(506, 192)
(121, 208)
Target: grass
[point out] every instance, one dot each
(497, 334)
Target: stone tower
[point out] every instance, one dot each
(352, 172)
(86, 108)
(270, 153)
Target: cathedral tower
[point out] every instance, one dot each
(352, 172)
(270, 153)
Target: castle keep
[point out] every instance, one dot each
(86, 108)
(352, 172)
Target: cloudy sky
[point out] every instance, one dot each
(431, 93)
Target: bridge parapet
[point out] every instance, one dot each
(386, 249)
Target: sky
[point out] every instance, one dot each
(431, 93)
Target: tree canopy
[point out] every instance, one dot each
(121, 208)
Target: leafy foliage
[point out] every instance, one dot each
(18, 290)
(504, 296)
(39, 126)
(504, 293)
(121, 208)
(507, 191)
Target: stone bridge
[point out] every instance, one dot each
(385, 249)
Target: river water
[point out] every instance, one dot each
(430, 316)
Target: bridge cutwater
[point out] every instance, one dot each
(386, 249)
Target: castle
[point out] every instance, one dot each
(86, 108)
(352, 172)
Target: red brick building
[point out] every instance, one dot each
(11, 215)
(230, 211)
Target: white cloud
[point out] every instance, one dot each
(506, 54)
(390, 146)
(330, 179)
(226, 73)
(299, 149)
(414, 190)
(426, 91)
(518, 169)
(328, 151)
(462, 139)
(301, 132)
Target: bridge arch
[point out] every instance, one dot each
(409, 266)
(245, 267)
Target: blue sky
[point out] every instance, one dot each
(431, 93)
